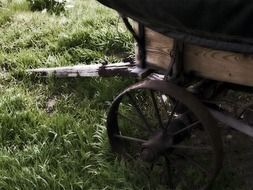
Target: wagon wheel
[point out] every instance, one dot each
(161, 123)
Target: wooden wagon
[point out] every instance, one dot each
(187, 55)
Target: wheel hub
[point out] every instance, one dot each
(163, 140)
(156, 145)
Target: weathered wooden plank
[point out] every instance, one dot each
(219, 65)
(94, 70)
(158, 48)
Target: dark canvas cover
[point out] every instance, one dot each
(218, 24)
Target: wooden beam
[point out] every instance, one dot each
(94, 70)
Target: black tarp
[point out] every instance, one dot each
(219, 24)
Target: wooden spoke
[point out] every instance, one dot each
(138, 110)
(130, 138)
(191, 147)
(195, 163)
(171, 114)
(157, 113)
(163, 103)
(186, 128)
(130, 120)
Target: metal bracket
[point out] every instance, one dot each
(176, 66)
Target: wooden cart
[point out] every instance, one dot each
(171, 115)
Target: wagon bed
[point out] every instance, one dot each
(217, 35)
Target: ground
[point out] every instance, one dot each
(52, 132)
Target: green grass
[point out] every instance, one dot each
(63, 146)
(52, 132)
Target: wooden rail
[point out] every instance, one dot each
(94, 70)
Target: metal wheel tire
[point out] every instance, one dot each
(167, 136)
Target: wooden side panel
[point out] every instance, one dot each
(208, 63)
(219, 65)
(158, 48)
